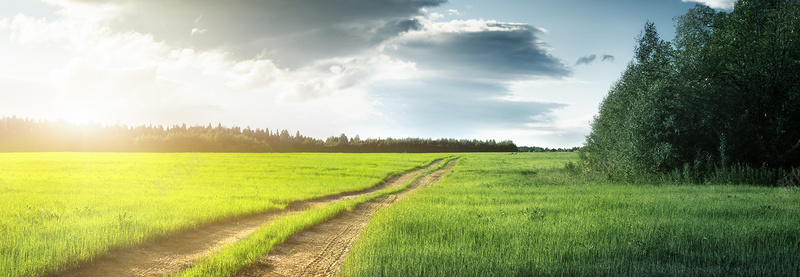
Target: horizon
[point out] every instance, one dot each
(271, 131)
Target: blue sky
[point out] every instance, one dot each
(530, 71)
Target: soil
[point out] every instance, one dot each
(321, 249)
(170, 254)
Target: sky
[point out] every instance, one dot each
(534, 72)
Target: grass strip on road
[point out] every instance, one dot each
(60, 210)
(231, 259)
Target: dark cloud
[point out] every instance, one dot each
(586, 59)
(499, 51)
(470, 65)
(457, 105)
(293, 32)
(393, 28)
(591, 58)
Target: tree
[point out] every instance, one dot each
(631, 132)
(725, 92)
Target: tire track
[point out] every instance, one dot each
(173, 253)
(321, 249)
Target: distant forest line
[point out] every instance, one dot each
(546, 149)
(28, 135)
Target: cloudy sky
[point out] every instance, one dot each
(530, 71)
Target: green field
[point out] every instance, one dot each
(57, 209)
(522, 215)
(247, 251)
(494, 215)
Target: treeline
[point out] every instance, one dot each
(27, 135)
(546, 149)
(722, 99)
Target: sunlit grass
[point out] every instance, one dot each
(235, 257)
(57, 209)
(499, 215)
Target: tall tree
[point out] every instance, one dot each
(630, 133)
(725, 92)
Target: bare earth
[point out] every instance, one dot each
(171, 254)
(321, 249)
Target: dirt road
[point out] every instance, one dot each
(171, 254)
(320, 250)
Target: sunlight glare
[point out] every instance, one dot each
(80, 116)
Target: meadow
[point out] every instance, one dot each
(229, 261)
(59, 209)
(495, 214)
(525, 215)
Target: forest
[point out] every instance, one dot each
(722, 97)
(27, 135)
(546, 149)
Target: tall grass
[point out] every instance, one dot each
(736, 174)
(500, 215)
(60, 209)
(695, 173)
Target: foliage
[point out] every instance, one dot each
(492, 216)
(723, 94)
(60, 209)
(25, 135)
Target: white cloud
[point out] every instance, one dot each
(435, 16)
(90, 92)
(83, 82)
(101, 47)
(343, 76)
(254, 74)
(118, 76)
(84, 38)
(86, 10)
(467, 26)
(716, 4)
(22, 96)
(28, 30)
(292, 33)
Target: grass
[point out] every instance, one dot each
(494, 215)
(522, 215)
(235, 257)
(58, 209)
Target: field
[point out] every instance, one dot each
(501, 215)
(494, 214)
(57, 209)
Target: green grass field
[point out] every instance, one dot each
(57, 209)
(521, 215)
(494, 215)
(233, 258)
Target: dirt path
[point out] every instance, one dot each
(170, 254)
(320, 250)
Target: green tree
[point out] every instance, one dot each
(724, 93)
(631, 133)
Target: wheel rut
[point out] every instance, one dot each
(174, 253)
(321, 249)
